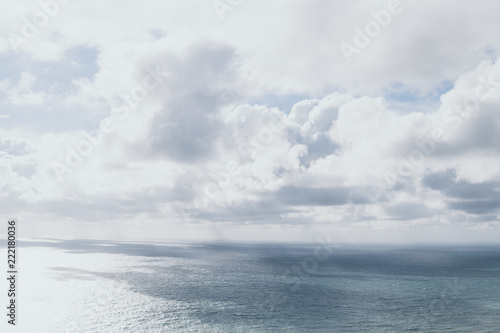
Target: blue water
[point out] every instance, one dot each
(271, 288)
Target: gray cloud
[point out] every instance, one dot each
(482, 198)
(257, 212)
(325, 196)
(187, 133)
(304, 196)
(445, 182)
(200, 85)
(476, 206)
(408, 211)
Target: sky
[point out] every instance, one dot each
(251, 121)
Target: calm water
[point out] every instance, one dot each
(207, 288)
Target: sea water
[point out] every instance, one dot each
(97, 286)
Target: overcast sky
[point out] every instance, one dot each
(252, 120)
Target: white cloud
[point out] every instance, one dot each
(356, 152)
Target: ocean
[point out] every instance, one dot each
(97, 286)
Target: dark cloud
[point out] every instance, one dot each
(481, 198)
(324, 196)
(445, 182)
(408, 211)
(305, 196)
(476, 206)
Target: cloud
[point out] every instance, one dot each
(405, 135)
(408, 211)
(22, 94)
(314, 196)
(479, 198)
(188, 134)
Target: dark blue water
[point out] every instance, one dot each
(246, 288)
